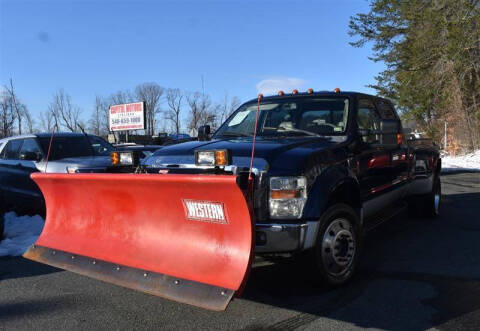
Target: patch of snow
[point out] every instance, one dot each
(20, 232)
(469, 162)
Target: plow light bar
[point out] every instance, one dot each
(220, 157)
(124, 158)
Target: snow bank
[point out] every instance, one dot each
(462, 162)
(20, 232)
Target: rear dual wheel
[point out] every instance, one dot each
(338, 244)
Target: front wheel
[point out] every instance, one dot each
(338, 244)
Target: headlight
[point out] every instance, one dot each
(124, 158)
(219, 157)
(287, 196)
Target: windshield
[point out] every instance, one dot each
(297, 117)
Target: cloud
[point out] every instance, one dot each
(273, 85)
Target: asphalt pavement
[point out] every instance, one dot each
(415, 274)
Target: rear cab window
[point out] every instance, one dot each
(65, 147)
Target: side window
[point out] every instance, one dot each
(11, 150)
(368, 120)
(30, 146)
(385, 109)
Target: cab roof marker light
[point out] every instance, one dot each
(295, 91)
(336, 90)
(281, 93)
(310, 91)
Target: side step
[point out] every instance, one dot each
(385, 215)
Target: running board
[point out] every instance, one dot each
(385, 215)
(168, 287)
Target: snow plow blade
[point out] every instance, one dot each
(186, 238)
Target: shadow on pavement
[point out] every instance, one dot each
(414, 273)
(18, 267)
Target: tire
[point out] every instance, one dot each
(338, 245)
(427, 205)
(431, 201)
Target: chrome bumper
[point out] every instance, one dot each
(282, 238)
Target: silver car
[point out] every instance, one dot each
(22, 155)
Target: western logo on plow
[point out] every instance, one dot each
(205, 211)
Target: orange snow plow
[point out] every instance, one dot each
(187, 238)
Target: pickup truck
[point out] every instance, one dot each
(327, 167)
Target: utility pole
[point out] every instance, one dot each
(445, 138)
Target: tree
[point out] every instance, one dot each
(7, 114)
(47, 121)
(64, 113)
(226, 108)
(150, 93)
(432, 53)
(174, 102)
(98, 123)
(200, 112)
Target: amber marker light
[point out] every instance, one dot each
(310, 91)
(115, 158)
(295, 91)
(284, 194)
(336, 90)
(399, 138)
(221, 158)
(280, 93)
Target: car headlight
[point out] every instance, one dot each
(220, 157)
(287, 196)
(124, 158)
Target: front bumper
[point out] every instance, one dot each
(284, 238)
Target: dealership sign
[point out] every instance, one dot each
(130, 116)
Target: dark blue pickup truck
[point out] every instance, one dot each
(328, 166)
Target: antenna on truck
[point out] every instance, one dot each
(259, 100)
(50, 147)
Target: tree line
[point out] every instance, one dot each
(170, 110)
(432, 54)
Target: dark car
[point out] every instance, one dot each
(327, 167)
(22, 155)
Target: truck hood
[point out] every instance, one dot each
(275, 155)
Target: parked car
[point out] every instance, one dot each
(22, 155)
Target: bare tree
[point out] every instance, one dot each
(16, 107)
(7, 114)
(46, 121)
(64, 113)
(98, 123)
(150, 93)
(226, 108)
(201, 112)
(28, 119)
(174, 101)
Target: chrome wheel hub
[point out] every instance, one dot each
(338, 246)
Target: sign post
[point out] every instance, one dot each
(126, 117)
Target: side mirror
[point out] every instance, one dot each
(204, 132)
(30, 156)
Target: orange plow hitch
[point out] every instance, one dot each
(187, 238)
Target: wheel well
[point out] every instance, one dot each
(347, 193)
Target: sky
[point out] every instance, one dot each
(238, 47)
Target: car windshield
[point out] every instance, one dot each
(295, 117)
(64, 147)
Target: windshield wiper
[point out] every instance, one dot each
(308, 133)
(233, 134)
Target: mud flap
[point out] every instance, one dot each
(183, 237)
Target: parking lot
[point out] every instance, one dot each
(415, 274)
